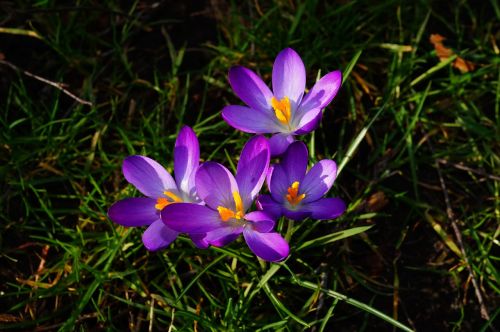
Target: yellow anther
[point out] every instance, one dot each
(172, 196)
(161, 202)
(292, 197)
(282, 109)
(238, 203)
(226, 214)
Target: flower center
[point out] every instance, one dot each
(282, 109)
(161, 202)
(226, 213)
(293, 196)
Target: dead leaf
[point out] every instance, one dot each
(444, 53)
(376, 201)
(7, 318)
(463, 65)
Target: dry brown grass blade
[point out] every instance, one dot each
(458, 235)
(57, 85)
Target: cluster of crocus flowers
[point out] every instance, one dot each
(228, 199)
(213, 206)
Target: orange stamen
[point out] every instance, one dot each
(282, 109)
(226, 214)
(292, 197)
(161, 202)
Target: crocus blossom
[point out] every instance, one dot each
(152, 180)
(225, 215)
(285, 111)
(298, 195)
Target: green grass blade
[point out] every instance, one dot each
(330, 238)
(353, 302)
(355, 143)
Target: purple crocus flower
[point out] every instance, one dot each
(285, 111)
(227, 200)
(151, 179)
(298, 195)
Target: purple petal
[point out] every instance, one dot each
(133, 212)
(295, 161)
(225, 240)
(186, 160)
(252, 168)
(223, 235)
(191, 218)
(251, 120)
(250, 88)
(158, 236)
(300, 213)
(268, 205)
(269, 175)
(215, 185)
(309, 121)
(322, 93)
(268, 246)
(261, 221)
(289, 76)
(149, 177)
(318, 180)
(279, 143)
(326, 208)
(199, 241)
(292, 168)
(279, 184)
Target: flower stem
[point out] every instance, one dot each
(289, 230)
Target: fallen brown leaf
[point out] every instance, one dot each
(444, 53)
(376, 202)
(7, 318)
